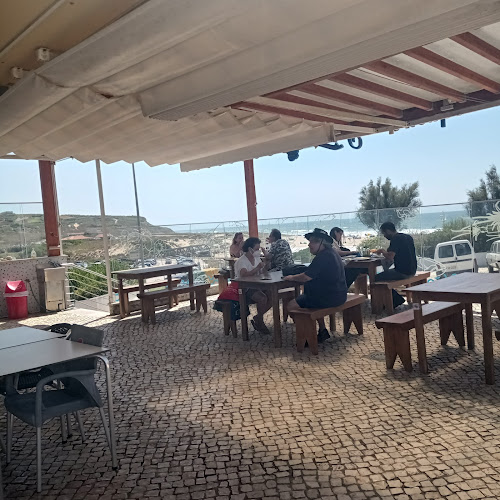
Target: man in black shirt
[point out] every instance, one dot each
(402, 252)
(324, 279)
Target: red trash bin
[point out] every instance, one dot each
(16, 297)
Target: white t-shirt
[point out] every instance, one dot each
(244, 263)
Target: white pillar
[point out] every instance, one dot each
(104, 231)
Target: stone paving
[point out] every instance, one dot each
(203, 415)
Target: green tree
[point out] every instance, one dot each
(481, 198)
(378, 203)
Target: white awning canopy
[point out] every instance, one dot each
(207, 83)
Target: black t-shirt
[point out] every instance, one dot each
(327, 277)
(405, 260)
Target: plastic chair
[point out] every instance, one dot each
(34, 408)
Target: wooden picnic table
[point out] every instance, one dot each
(271, 282)
(370, 265)
(143, 273)
(467, 288)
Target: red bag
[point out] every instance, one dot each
(230, 293)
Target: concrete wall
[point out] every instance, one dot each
(25, 269)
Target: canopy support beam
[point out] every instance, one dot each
(50, 207)
(253, 227)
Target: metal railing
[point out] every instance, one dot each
(84, 284)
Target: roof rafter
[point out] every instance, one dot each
(303, 115)
(452, 68)
(343, 98)
(414, 80)
(479, 46)
(377, 89)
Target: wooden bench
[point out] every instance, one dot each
(305, 320)
(381, 291)
(135, 288)
(148, 299)
(397, 328)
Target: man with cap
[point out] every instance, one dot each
(324, 279)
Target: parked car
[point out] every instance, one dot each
(456, 256)
(493, 257)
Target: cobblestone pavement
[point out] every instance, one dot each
(203, 415)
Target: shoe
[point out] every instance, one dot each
(323, 335)
(260, 326)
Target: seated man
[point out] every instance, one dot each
(401, 251)
(324, 279)
(280, 254)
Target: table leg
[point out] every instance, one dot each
(489, 367)
(243, 313)
(111, 415)
(121, 298)
(191, 294)
(275, 300)
(171, 297)
(144, 316)
(419, 331)
(372, 272)
(469, 322)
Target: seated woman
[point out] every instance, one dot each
(350, 274)
(250, 264)
(235, 250)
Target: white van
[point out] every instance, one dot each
(493, 257)
(456, 256)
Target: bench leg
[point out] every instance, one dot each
(148, 311)
(387, 300)
(234, 328)
(198, 302)
(403, 349)
(377, 298)
(445, 329)
(333, 325)
(457, 328)
(397, 343)
(390, 347)
(226, 318)
(353, 315)
(306, 331)
(361, 285)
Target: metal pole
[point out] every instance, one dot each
(141, 249)
(104, 231)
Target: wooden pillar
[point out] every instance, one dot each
(50, 207)
(251, 198)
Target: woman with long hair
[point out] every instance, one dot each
(235, 250)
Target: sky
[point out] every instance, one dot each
(445, 161)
